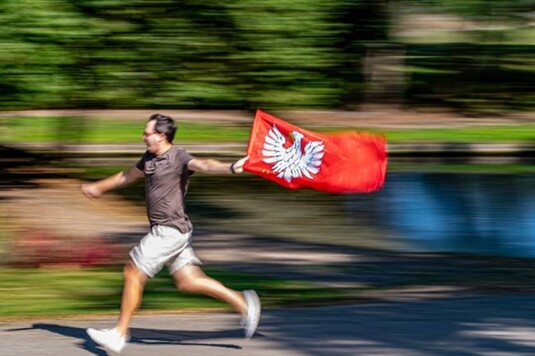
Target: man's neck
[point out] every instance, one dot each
(164, 149)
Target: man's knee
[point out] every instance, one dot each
(132, 274)
(187, 285)
(189, 279)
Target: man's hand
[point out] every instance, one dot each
(118, 180)
(91, 190)
(237, 166)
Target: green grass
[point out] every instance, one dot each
(499, 168)
(53, 292)
(69, 292)
(521, 133)
(49, 129)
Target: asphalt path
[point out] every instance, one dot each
(495, 325)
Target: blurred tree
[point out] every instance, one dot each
(362, 45)
(35, 65)
(288, 53)
(487, 68)
(245, 54)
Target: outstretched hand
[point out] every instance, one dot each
(91, 191)
(238, 165)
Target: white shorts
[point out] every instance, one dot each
(163, 246)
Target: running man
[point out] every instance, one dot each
(166, 168)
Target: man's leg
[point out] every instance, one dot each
(134, 282)
(192, 279)
(115, 339)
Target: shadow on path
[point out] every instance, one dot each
(142, 336)
(501, 325)
(472, 326)
(76, 333)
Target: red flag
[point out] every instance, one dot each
(344, 162)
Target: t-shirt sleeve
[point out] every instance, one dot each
(141, 163)
(183, 158)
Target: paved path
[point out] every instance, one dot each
(473, 326)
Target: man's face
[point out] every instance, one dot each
(152, 139)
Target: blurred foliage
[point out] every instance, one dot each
(68, 130)
(31, 292)
(19, 129)
(274, 54)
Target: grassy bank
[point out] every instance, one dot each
(49, 129)
(69, 292)
(62, 292)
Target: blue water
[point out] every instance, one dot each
(491, 214)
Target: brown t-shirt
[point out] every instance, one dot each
(166, 181)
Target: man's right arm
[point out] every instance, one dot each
(119, 180)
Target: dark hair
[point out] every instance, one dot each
(164, 124)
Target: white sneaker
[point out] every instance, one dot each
(252, 316)
(110, 339)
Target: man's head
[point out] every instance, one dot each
(159, 131)
(164, 124)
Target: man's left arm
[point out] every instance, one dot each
(212, 166)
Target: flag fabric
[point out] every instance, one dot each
(343, 162)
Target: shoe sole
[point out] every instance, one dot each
(253, 300)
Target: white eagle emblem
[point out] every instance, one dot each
(291, 162)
